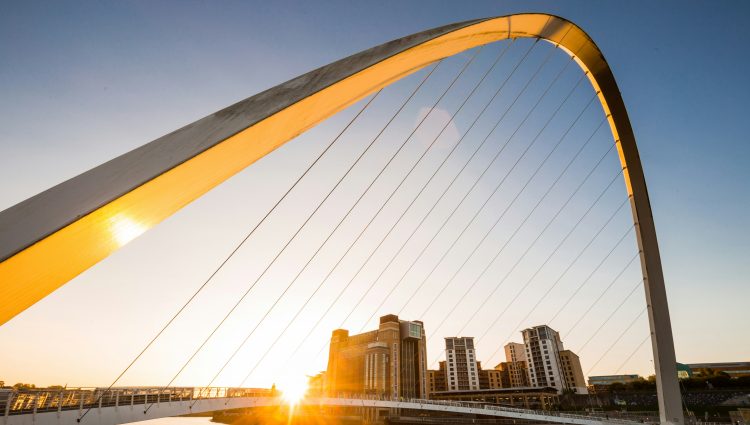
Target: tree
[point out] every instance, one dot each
(22, 386)
(616, 386)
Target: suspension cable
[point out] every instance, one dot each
(570, 266)
(509, 206)
(604, 323)
(297, 232)
(440, 198)
(445, 221)
(476, 214)
(559, 279)
(527, 217)
(372, 219)
(588, 278)
(591, 306)
(585, 281)
(234, 251)
(622, 334)
(550, 256)
(546, 91)
(497, 187)
(633, 353)
(505, 210)
(309, 261)
(549, 290)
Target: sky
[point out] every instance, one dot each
(82, 83)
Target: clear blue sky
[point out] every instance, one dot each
(83, 82)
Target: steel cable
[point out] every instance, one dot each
(583, 283)
(510, 205)
(622, 334)
(604, 323)
(468, 192)
(476, 214)
(559, 279)
(372, 219)
(235, 250)
(637, 348)
(331, 305)
(550, 256)
(296, 233)
(341, 221)
(549, 290)
(520, 226)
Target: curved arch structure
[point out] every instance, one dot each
(50, 238)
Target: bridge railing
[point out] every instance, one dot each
(32, 401)
(610, 417)
(18, 402)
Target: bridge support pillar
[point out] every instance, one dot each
(662, 342)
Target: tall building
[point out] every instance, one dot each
(572, 372)
(549, 364)
(515, 365)
(514, 374)
(461, 364)
(390, 361)
(515, 352)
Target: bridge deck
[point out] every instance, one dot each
(125, 405)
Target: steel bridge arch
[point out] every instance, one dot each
(52, 237)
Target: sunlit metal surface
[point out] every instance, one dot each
(47, 240)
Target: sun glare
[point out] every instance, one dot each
(125, 229)
(293, 389)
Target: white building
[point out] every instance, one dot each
(461, 364)
(549, 364)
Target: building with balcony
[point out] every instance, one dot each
(462, 372)
(514, 374)
(390, 361)
(490, 379)
(549, 364)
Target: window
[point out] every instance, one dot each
(415, 330)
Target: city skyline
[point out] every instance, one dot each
(114, 105)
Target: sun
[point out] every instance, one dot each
(293, 389)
